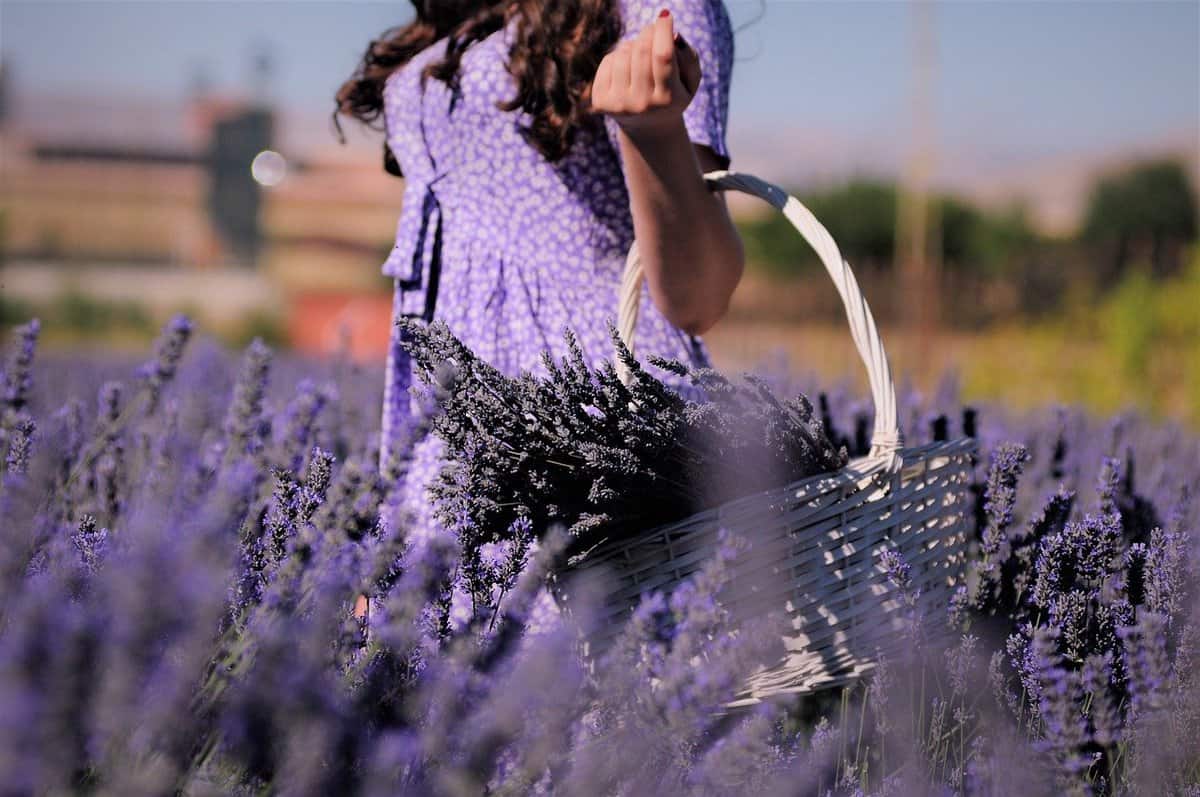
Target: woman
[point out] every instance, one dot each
(537, 138)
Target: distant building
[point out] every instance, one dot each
(234, 196)
(121, 184)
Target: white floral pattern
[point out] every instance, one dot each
(521, 247)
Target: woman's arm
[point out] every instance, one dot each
(691, 252)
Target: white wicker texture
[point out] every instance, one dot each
(814, 543)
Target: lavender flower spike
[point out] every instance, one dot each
(168, 350)
(20, 444)
(18, 373)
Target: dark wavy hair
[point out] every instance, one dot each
(558, 46)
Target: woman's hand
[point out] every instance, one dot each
(691, 253)
(647, 82)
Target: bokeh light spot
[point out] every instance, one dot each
(268, 168)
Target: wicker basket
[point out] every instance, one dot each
(815, 542)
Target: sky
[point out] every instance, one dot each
(1015, 80)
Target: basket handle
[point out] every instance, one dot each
(886, 439)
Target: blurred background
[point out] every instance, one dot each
(1013, 182)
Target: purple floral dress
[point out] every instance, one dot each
(508, 248)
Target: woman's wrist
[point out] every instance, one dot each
(653, 139)
(667, 150)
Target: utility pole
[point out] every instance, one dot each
(262, 72)
(918, 234)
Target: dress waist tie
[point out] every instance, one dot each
(417, 283)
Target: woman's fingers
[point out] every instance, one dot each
(620, 70)
(647, 77)
(641, 72)
(662, 53)
(600, 83)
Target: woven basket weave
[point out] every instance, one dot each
(815, 542)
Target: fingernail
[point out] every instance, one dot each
(664, 13)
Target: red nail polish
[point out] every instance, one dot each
(664, 13)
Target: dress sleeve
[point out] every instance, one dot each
(707, 27)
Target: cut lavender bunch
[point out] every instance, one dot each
(581, 448)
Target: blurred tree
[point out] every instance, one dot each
(79, 312)
(960, 223)
(14, 311)
(861, 216)
(1146, 212)
(264, 325)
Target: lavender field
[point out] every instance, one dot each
(184, 537)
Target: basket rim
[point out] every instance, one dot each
(859, 472)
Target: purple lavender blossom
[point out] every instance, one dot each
(897, 570)
(1146, 660)
(18, 371)
(168, 351)
(1000, 497)
(245, 425)
(1064, 731)
(296, 432)
(1104, 714)
(177, 624)
(20, 443)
